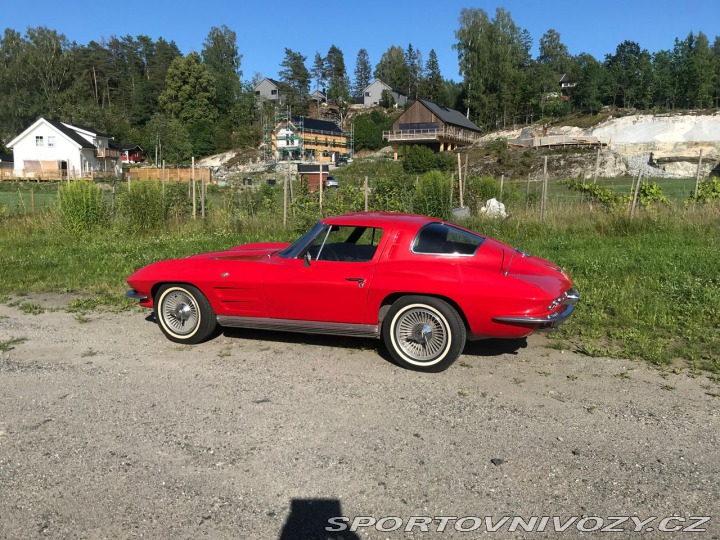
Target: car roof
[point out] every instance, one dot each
(381, 219)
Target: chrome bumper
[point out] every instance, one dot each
(547, 322)
(136, 295)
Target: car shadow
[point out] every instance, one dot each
(480, 348)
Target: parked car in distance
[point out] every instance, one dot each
(422, 285)
(331, 181)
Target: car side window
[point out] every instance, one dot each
(346, 244)
(442, 239)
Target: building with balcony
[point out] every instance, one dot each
(302, 139)
(50, 149)
(425, 123)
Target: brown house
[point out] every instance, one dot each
(432, 125)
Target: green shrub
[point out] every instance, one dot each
(143, 206)
(432, 196)
(708, 191)
(82, 205)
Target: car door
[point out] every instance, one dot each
(329, 281)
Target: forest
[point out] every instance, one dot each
(145, 91)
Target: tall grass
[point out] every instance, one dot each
(82, 206)
(649, 284)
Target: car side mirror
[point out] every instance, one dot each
(307, 258)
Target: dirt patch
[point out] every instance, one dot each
(107, 430)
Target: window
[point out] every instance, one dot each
(342, 243)
(339, 243)
(368, 94)
(39, 141)
(51, 140)
(273, 92)
(441, 239)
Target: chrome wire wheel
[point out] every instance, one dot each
(421, 333)
(180, 312)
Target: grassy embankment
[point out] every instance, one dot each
(650, 285)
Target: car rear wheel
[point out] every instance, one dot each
(423, 333)
(184, 314)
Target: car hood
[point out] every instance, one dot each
(245, 252)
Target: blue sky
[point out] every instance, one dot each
(264, 29)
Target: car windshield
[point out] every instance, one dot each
(442, 239)
(338, 243)
(295, 249)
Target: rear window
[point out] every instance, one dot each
(442, 239)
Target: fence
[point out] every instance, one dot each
(169, 175)
(49, 176)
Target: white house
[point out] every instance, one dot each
(269, 89)
(54, 149)
(372, 94)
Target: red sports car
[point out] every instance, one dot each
(422, 285)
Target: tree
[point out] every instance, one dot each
(319, 71)
(413, 61)
(553, 53)
(629, 72)
(494, 57)
(363, 72)
(368, 129)
(295, 80)
(588, 92)
(664, 79)
(694, 59)
(190, 93)
(220, 55)
(169, 137)
(339, 83)
(48, 63)
(392, 69)
(432, 87)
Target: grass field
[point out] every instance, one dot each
(650, 286)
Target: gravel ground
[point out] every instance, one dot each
(107, 430)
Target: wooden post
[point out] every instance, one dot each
(292, 195)
(202, 195)
(635, 196)
(366, 194)
(163, 176)
(452, 188)
(597, 167)
(460, 179)
(543, 198)
(32, 200)
(697, 176)
(192, 180)
(321, 186)
(502, 181)
(285, 197)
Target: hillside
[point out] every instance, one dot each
(659, 145)
(666, 146)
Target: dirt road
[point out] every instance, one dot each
(107, 430)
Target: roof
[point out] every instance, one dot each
(131, 147)
(313, 124)
(449, 116)
(71, 133)
(310, 169)
(273, 81)
(398, 92)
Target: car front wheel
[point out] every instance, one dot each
(423, 333)
(184, 314)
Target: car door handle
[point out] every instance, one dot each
(360, 280)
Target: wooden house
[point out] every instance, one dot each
(428, 124)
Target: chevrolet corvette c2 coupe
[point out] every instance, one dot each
(422, 285)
